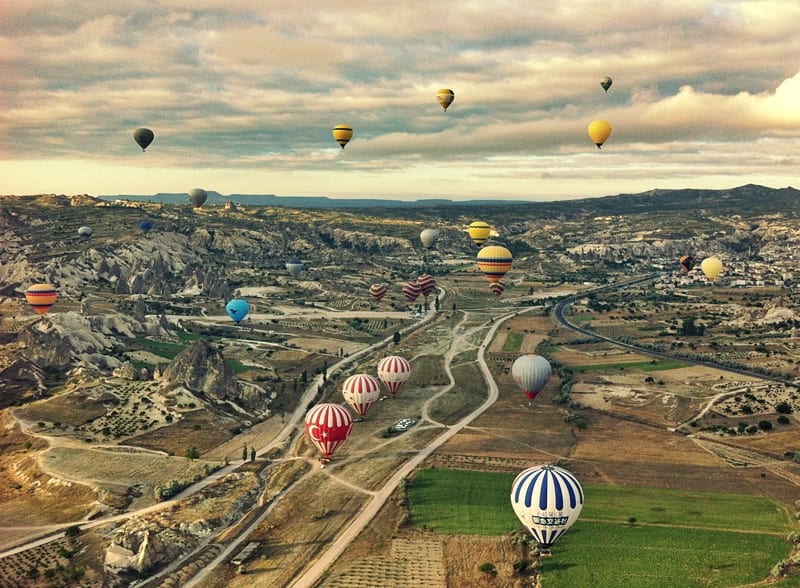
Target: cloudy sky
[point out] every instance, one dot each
(242, 96)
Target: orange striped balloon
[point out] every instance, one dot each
(41, 297)
(494, 261)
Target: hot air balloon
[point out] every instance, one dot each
(427, 284)
(687, 263)
(497, 287)
(428, 237)
(606, 83)
(445, 97)
(377, 291)
(479, 232)
(143, 137)
(394, 371)
(711, 267)
(342, 134)
(547, 500)
(328, 425)
(146, 225)
(294, 266)
(361, 391)
(237, 309)
(494, 261)
(531, 373)
(599, 132)
(411, 291)
(85, 232)
(41, 297)
(198, 196)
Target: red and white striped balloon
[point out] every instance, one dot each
(328, 425)
(361, 391)
(394, 371)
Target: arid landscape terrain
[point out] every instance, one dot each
(146, 439)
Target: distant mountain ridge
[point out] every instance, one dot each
(298, 201)
(746, 199)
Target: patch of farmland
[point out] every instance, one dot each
(117, 467)
(413, 562)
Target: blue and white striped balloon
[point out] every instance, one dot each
(547, 500)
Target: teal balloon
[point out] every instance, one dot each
(237, 309)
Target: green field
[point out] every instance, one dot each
(678, 538)
(513, 341)
(643, 366)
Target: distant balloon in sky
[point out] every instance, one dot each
(294, 266)
(479, 232)
(143, 137)
(198, 197)
(606, 83)
(377, 291)
(494, 261)
(342, 134)
(237, 309)
(428, 237)
(445, 97)
(599, 132)
(85, 232)
(547, 500)
(41, 297)
(712, 267)
(146, 225)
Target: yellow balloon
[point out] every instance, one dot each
(342, 134)
(445, 97)
(711, 267)
(599, 131)
(479, 232)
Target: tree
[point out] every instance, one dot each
(244, 452)
(488, 568)
(192, 452)
(396, 337)
(252, 454)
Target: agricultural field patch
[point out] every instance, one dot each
(692, 538)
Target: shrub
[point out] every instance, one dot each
(488, 568)
(764, 425)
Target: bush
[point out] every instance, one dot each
(764, 425)
(488, 569)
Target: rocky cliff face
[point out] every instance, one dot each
(145, 544)
(202, 369)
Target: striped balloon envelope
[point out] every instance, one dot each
(497, 287)
(377, 291)
(427, 284)
(328, 425)
(494, 261)
(445, 97)
(547, 500)
(479, 232)
(41, 297)
(394, 371)
(342, 134)
(361, 391)
(411, 291)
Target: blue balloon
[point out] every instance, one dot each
(146, 225)
(547, 500)
(237, 309)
